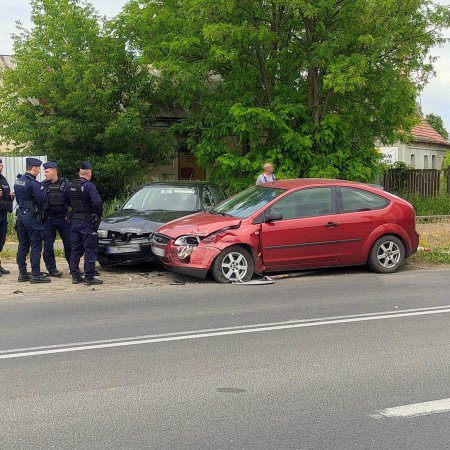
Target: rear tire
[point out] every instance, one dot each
(387, 254)
(234, 264)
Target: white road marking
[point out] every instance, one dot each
(415, 409)
(201, 334)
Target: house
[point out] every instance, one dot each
(425, 150)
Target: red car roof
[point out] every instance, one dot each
(301, 182)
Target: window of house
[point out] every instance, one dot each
(413, 160)
(305, 203)
(425, 162)
(433, 161)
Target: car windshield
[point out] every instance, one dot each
(164, 198)
(247, 202)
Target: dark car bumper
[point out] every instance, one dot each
(125, 252)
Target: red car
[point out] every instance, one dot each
(291, 225)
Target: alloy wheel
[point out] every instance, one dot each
(389, 254)
(234, 266)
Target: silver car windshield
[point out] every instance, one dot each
(247, 202)
(164, 198)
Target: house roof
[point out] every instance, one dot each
(426, 134)
(6, 62)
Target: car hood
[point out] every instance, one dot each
(139, 222)
(201, 224)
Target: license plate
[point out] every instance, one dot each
(132, 248)
(159, 251)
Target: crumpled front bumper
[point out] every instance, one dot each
(197, 264)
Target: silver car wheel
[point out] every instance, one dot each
(234, 266)
(389, 254)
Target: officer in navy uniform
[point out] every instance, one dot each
(87, 210)
(55, 214)
(31, 198)
(6, 206)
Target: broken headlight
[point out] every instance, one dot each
(188, 240)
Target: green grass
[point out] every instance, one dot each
(433, 206)
(436, 257)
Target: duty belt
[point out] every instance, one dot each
(84, 216)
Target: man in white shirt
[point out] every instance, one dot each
(268, 174)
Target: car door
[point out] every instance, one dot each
(309, 233)
(362, 212)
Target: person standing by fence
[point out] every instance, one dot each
(268, 175)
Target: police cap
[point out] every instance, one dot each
(85, 166)
(33, 162)
(50, 165)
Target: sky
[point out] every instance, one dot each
(434, 99)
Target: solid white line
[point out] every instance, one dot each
(209, 330)
(200, 334)
(415, 409)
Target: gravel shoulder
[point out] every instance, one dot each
(114, 278)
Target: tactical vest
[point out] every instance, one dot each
(23, 197)
(79, 201)
(54, 193)
(6, 204)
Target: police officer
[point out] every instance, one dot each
(6, 206)
(55, 213)
(31, 197)
(87, 209)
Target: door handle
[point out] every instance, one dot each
(331, 225)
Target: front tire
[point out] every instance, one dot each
(234, 264)
(387, 254)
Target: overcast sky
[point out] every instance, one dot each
(435, 98)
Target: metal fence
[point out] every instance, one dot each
(424, 182)
(13, 165)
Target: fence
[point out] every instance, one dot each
(13, 165)
(424, 182)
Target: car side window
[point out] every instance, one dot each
(218, 194)
(207, 198)
(305, 203)
(354, 200)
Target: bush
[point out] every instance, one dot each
(432, 206)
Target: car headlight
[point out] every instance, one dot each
(187, 240)
(102, 233)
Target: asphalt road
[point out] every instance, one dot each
(339, 360)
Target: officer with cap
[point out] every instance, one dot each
(6, 206)
(31, 197)
(55, 214)
(87, 210)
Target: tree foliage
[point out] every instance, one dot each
(307, 84)
(78, 93)
(438, 124)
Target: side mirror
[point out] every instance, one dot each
(273, 216)
(116, 207)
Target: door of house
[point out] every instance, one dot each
(188, 167)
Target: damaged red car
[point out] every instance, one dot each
(291, 225)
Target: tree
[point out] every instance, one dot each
(78, 93)
(438, 124)
(307, 84)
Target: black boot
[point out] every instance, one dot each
(93, 282)
(56, 273)
(77, 280)
(23, 277)
(39, 279)
(3, 271)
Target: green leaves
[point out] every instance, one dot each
(310, 84)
